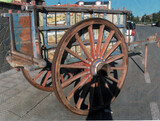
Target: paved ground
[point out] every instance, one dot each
(139, 98)
(140, 93)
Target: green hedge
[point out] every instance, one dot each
(6, 1)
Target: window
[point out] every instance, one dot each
(98, 2)
(81, 3)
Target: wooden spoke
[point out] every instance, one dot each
(38, 75)
(77, 63)
(61, 75)
(70, 80)
(74, 66)
(84, 93)
(112, 78)
(47, 76)
(71, 75)
(91, 39)
(80, 84)
(82, 46)
(100, 37)
(107, 42)
(111, 50)
(79, 103)
(117, 68)
(76, 55)
(89, 105)
(113, 58)
(40, 80)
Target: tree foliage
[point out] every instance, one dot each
(136, 19)
(146, 19)
(155, 17)
(130, 17)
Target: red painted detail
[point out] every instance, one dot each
(10, 11)
(37, 48)
(18, 11)
(133, 32)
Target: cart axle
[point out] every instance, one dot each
(97, 66)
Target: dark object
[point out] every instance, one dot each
(158, 24)
(131, 25)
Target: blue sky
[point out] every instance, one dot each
(138, 7)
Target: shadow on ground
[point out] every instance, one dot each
(102, 114)
(99, 111)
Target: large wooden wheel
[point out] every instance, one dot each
(95, 54)
(40, 78)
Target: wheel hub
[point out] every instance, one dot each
(96, 66)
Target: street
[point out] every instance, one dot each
(140, 93)
(139, 98)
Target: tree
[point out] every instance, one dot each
(143, 18)
(146, 18)
(156, 17)
(130, 17)
(136, 19)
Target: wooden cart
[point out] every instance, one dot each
(79, 53)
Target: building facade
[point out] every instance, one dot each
(98, 3)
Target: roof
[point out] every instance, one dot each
(67, 5)
(19, 3)
(93, 2)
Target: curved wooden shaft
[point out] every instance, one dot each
(145, 62)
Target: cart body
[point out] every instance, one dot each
(36, 33)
